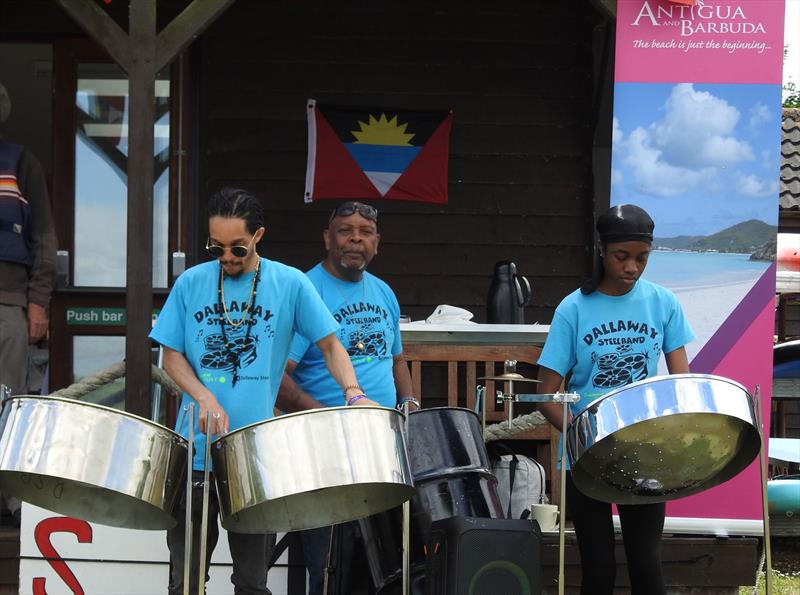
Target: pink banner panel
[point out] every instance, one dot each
(696, 143)
(714, 41)
(749, 362)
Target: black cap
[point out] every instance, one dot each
(625, 223)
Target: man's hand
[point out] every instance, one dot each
(365, 402)
(411, 402)
(182, 373)
(37, 323)
(219, 419)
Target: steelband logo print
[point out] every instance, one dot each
(633, 344)
(364, 329)
(618, 368)
(240, 352)
(366, 342)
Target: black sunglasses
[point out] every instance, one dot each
(348, 208)
(238, 251)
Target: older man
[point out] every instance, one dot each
(368, 315)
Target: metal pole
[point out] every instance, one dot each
(328, 573)
(510, 402)
(187, 536)
(510, 367)
(481, 391)
(762, 459)
(406, 527)
(562, 501)
(156, 409)
(201, 584)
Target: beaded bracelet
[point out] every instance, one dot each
(352, 387)
(355, 398)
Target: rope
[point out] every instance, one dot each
(89, 383)
(523, 423)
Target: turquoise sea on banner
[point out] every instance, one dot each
(681, 271)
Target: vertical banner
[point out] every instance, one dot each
(697, 124)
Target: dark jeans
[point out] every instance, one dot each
(315, 551)
(250, 553)
(642, 526)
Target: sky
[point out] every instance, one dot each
(698, 157)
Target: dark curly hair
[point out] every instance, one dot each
(239, 204)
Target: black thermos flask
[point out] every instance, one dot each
(509, 293)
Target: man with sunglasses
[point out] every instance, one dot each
(226, 329)
(368, 315)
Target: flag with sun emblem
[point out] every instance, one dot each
(363, 153)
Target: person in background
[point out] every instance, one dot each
(226, 328)
(27, 263)
(644, 320)
(368, 316)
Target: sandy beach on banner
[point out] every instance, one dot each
(706, 308)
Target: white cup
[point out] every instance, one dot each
(546, 515)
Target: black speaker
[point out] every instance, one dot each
(472, 556)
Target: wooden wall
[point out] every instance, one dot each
(518, 76)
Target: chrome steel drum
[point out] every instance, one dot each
(91, 462)
(663, 438)
(312, 469)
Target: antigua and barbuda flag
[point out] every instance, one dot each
(368, 153)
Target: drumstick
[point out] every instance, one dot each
(201, 585)
(187, 536)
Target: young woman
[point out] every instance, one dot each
(610, 333)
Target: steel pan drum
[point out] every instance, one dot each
(312, 469)
(91, 462)
(663, 438)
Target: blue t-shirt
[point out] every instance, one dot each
(368, 316)
(607, 342)
(285, 303)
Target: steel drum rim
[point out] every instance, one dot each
(216, 442)
(467, 409)
(653, 379)
(105, 408)
(285, 416)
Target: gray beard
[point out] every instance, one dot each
(345, 267)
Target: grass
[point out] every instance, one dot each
(782, 584)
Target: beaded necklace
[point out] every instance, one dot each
(359, 345)
(224, 318)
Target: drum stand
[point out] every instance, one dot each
(406, 525)
(762, 459)
(201, 580)
(566, 399)
(187, 535)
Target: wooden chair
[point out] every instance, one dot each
(488, 360)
